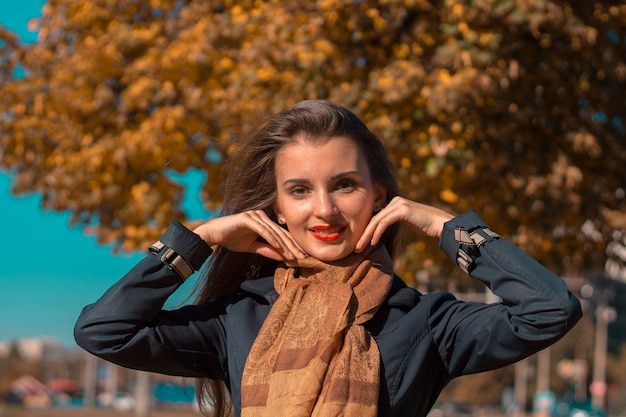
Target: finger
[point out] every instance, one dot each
(277, 237)
(291, 243)
(284, 238)
(270, 252)
(264, 227)
(373, 232)
(378, 224)
(366, 237)
(381, 225)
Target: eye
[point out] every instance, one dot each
(346, 184)
(298, 191)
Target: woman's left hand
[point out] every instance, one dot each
(421, 218)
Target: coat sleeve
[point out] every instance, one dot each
(128, 325)
(535, 310)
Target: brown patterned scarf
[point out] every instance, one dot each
(312, 356)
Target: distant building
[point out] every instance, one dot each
(32, 348)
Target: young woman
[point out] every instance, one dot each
(300, 313)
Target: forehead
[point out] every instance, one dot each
(314, 156)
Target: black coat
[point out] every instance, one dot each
(424, 340)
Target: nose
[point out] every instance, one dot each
(325, 206)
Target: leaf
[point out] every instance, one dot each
(513, 108)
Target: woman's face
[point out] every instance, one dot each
(326, 195)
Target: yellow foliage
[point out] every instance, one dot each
(473, 99)
(448, 196)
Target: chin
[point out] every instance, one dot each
(330, 254)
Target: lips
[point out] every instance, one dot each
(327, 233)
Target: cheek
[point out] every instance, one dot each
(364, 220)
(362, 214)
(295, 213)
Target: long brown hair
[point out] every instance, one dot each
(251, 185)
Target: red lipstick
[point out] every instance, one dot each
(327, 233)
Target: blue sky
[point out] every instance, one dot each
(49, 270)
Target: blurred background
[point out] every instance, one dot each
(117, 117)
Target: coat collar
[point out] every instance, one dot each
(400, 295)
(262, 287)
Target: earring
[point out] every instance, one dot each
(281, 220)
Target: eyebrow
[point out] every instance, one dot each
(334, 177)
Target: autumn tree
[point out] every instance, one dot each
(513, 107)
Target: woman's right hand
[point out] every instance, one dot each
(240, 233)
